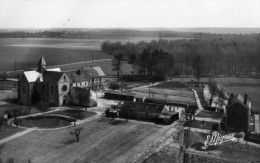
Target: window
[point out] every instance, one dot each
(64, 88)
(64, 78)
(93, 80)
(23, 89)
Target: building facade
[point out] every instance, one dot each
(54, 86)
(238, 114)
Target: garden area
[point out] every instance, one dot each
(202, 124)
(101, 140)
(172, 85)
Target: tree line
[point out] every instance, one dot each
(226, 55)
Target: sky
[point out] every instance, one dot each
(129, 13)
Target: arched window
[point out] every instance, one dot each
(64, 78)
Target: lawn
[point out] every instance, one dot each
(101, 140)
(168, 97)
(8, 85)
(198, 124)
(5, 95)
(6, 131)
(177, 92)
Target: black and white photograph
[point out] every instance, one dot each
(129, 81)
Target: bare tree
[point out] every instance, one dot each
(76, 132)
(198, 66)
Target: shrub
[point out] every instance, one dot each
(92, 103)
(240, 135)
(114, 86)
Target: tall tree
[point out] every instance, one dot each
(117, 63)
(132, 60)
(198, 67)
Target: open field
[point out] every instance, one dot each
(236, 85)
(4, 95)
(169, 98)
(102, 140)
(8, 85)
(252, 92)
(26, 52)
(223, 80)
(170, 92)
(28, 57)
(6, 131)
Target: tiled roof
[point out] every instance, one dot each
(52, 76)
(54, 69)
(99, 71)
(85, 74)
(32, 76)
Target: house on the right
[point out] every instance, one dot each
(238, 114)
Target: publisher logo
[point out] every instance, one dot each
(217, 139)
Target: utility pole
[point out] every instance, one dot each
(92, 59)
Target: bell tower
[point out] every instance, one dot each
(41, 65)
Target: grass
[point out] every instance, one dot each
(168, 98)
(177, 92)
(172, 85)
(100, 141)
(221, 80)
(198, 124)
(8, 85)
(6, 131)
(5, 95)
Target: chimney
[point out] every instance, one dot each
(245, 99)
(230, 98)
